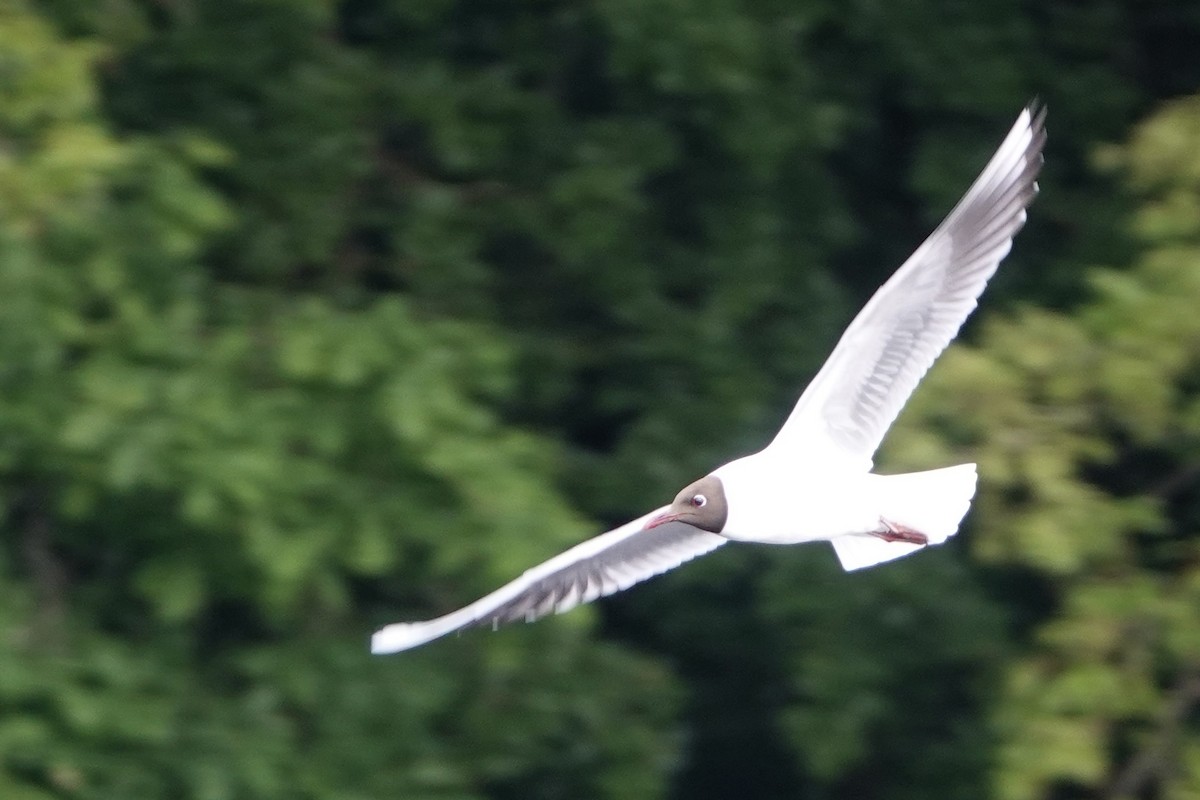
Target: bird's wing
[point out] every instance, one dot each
(611, 562)
(895, 339)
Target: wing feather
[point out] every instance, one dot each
(609, 563)
(895, 339)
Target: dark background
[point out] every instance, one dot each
(319, 315)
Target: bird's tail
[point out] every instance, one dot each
(932, 503)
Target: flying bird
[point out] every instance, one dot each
(814, 481)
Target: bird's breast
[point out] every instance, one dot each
(789, 503)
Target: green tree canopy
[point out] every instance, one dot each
(316, 314)
(1088, 426)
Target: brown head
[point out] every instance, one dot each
(701, 505)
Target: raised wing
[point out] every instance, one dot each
(611, 562)
(907, 324)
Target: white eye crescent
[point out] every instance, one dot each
(699, 501)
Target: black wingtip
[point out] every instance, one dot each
(1036, 109)
(1037, 113)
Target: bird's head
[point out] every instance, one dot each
(701, 505)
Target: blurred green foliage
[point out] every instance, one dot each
(316, 315)
(1088, 427)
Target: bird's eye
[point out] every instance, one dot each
(699, 500)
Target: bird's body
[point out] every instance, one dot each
(847, 506)
(829, 501)
(813, 482)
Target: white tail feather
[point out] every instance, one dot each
(932, 503)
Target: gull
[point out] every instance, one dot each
(813, 482)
